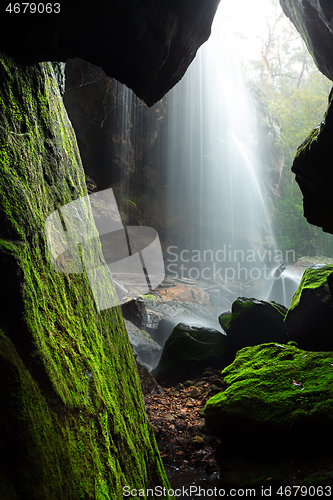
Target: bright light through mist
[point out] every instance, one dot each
(249, 20)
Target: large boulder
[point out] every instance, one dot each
(310, 316)
(187, 352)
(278, 403)
(252, 322)
(148, 46)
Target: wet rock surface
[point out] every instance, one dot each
(148, 383)
(111, 137)
(135, 312)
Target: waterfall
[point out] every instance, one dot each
(219, 229)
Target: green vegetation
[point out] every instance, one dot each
(298, 114)
(72, 422)
(278, 402)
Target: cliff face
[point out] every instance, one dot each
(72, 420)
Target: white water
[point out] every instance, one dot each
(215, 198)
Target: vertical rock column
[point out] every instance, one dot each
(72, 420)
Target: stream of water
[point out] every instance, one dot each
(215, 194)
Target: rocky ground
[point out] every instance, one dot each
(179, 426)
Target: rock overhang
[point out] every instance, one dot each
(146, 45)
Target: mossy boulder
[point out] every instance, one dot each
(309, 320)
(278, 403)
(252, 322)
(187, 352)
(72, 421)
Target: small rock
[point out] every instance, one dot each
(194, 393)
(153, 319)
(206, 374)
(211, 466)
(200, 383)
(169, 417)
(214, 388)
(197, 441)
(174, 393)
(219, 383)
(188, 383)
(179, 387)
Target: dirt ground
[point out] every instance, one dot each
(178, 423)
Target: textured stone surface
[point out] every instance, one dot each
(72, 420)
(146, 348)
(312, 165)
(146, 45)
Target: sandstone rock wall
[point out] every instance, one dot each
(72, 422)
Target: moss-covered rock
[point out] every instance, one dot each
(312, 167)
(72, 422)
(252, 322)
(278, 403)
(310, 317)
(187, 352)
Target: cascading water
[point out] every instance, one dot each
(219, 226)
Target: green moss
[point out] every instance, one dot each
(312, 279)
(277, 393)
(74, 423)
